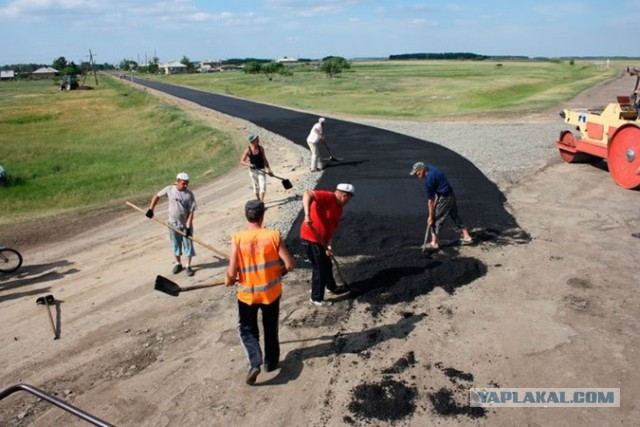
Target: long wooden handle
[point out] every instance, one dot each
(53, 325)
(177, 230)
(324, 245)
(326, 145)
(190, 288)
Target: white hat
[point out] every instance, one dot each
(347, 188)
(321, 120)
(182, 176)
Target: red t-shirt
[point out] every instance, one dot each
(325, 213)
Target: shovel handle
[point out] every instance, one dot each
(177, 230)
(210, 285)
(324, 245)
(45, 301)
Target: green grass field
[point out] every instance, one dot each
(411, 89)
(67, 151)
(80, 149)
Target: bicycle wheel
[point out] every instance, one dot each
(10, 260)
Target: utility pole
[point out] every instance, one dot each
(92, 66)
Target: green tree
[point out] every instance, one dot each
(128, 64)
(272, 68)
(153, 66)
(187, 62)
(60, 63)
(252, 67)
(333, 65)
(71, 69)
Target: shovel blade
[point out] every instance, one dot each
(45, 300)
(167, 286)
(287, 184)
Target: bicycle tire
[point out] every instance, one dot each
(10, 260)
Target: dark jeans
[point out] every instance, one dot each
(250, 335)
(322, 276)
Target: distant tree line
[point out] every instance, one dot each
(446, 55)
(60, 64)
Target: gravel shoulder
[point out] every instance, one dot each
(559, 311)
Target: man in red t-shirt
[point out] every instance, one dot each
(322, 212)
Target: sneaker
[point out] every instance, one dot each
(253, 375)
(339, 290)
(320, 303)
(177, 268)
(190, 272)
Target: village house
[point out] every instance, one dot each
(7, 75)
(174, 67)
(44, 73)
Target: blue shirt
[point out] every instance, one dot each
(436, 183)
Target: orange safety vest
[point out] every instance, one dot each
(259, 266)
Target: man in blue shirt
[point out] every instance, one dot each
(441, 202)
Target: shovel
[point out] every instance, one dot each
(426, 238)
(326, 145)
(171, 288)
(285, 182)
(335, 261)
(48, 300)
(218, 252)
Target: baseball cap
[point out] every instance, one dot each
(252, 137)
(321, 119)
(254, 205)
(347, 188)
(416, 167)
(182, 176)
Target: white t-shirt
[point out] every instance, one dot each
(314, 136)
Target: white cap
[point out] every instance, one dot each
(347, 188)
(182, 176)
(321, 120)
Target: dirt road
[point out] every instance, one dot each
(557, 310)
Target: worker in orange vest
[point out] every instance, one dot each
(258, 260)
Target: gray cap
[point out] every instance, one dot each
(416, 167)
(253, 137)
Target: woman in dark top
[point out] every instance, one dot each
(255, 158)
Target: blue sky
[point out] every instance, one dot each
(39, 31)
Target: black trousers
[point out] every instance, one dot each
(250, 334)
(322, 275)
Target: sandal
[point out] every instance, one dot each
(464, 242)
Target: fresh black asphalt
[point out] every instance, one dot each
(383, 226)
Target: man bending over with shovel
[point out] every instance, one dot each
(441, 203)
(182, 205)
(258, 260)
(322, 213)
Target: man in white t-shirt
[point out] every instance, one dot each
(315, 136)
